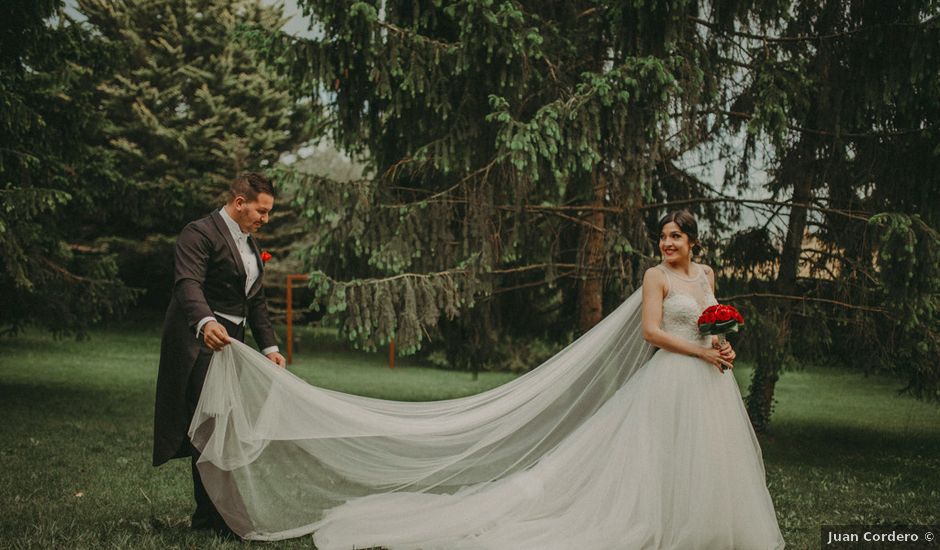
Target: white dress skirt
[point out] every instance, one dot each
(668, 460)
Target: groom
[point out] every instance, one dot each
(217, 289)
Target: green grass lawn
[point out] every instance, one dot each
(76, 431)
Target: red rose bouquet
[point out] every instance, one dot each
(719, 320)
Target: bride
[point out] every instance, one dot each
(610, 444)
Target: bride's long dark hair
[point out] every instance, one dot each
(686, 222)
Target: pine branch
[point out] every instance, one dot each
(458, 271)
(417, 37)
(873, 309)
(530, 284)
(816, 132)
(851, 214)
(767, 39)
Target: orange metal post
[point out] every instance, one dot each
(290, 314)
(290, 322)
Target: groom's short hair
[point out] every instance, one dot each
(250, 185)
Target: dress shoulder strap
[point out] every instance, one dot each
(703, 277)
(668, 286)
(668, 275)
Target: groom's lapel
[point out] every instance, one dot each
(227, 235)
(257, 284)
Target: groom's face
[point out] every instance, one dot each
(251, 215)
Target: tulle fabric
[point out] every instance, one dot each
(616, 483)
(276, 453)
(589, 450)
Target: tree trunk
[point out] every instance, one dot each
(777, 323)
(591, 298)
(771, 330)
(796, 229)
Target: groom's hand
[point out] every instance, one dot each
(278, 358)
(215, 335)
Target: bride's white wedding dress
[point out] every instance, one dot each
(614, 445)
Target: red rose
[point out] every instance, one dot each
(720, 314)
(265, 256)
(723, 314)
(707, 317)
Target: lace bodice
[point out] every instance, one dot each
(684, 302)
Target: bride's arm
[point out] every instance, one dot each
(654, 283)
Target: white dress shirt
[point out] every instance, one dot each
(252, 270)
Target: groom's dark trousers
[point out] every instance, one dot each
(206, 516)
(209, 278)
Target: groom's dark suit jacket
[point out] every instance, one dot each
(209, 277)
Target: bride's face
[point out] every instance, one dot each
(674, 244)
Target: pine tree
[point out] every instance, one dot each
(846, 94)
(47, 65)
(189, 105)
(513, 145)
(521, 149)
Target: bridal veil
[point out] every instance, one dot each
(277, 454)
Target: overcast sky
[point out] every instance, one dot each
(298, 24)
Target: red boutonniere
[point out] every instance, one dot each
(265, 256)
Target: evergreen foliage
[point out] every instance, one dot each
(512, 142)
(188, 105)
(519, 147)
(847, 96)
(47, 169)
(517, 153)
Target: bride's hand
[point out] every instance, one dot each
(727, 352)
(715, 358)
